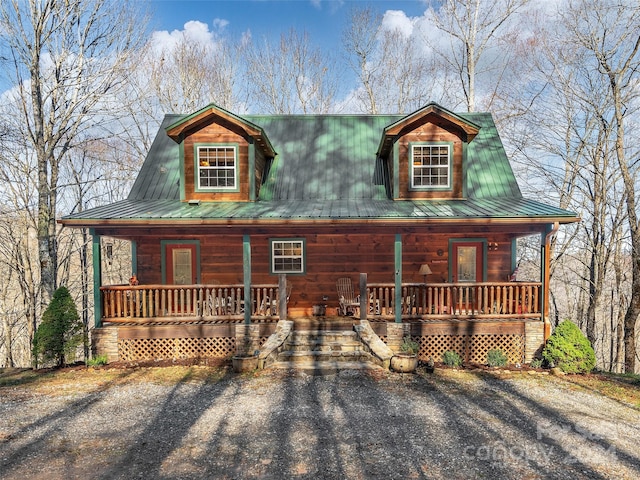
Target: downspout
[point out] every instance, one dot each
(547, 278)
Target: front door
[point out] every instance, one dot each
(180, 259)
(467, 265)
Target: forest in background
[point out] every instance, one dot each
(87, 86)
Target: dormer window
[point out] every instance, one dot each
(217, 167)
(430, 166)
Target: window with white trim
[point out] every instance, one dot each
(430, 166)
(287, 255)
(217, 167)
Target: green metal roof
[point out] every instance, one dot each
(159, 177)
(326, 168)
(171, 210)
(489, 173)
(324, 157)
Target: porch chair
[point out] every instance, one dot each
(273, 304)
(219, 305)
(349, 301)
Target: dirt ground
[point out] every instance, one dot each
(192, 422)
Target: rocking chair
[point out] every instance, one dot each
(349, 302)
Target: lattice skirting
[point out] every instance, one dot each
(136, 349)
(471, 348)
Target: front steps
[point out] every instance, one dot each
(322, 352)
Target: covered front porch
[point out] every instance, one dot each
(425, 302)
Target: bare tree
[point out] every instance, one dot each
(570, 139)
(360, 41)
(67, 58)
(18, 247)
(394, 73)
(290, 76)
(192, 72)
(610, 35)
(472, 27)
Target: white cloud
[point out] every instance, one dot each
(397, 20)
(220, 23)
(193, 30)
(332, 6)
(197, 31)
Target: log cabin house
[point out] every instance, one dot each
(239, 222)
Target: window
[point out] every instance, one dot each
(430, 166)
(287, 256)
(217, 168)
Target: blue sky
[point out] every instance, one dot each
(323, 20)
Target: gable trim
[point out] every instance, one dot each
(177, 130)
(393, 131)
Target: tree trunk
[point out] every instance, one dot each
(84, 274)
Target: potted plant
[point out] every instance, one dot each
(245, 362)
(246, 357)
(406, 360)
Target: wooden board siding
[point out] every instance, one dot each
(429, 133)
(419, 248)
(211, 135)
(328, 257)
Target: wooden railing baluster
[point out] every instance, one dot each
(493, 300)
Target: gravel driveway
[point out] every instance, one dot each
(352, 425)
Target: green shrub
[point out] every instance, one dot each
(495, 358)
(568, 349)
(60, 333)
(97, 361)
(536, 363)
(452, 359)
(409, 346)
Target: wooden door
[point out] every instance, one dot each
(181, 264)
(467, 262)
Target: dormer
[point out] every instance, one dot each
(223, 156)
(425, 154)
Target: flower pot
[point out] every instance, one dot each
(404, 362)
(244, 363)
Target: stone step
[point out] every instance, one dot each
(326, 368)
(324, 341)
(318, 356)
(301, 346)
(323, 336)
(321, 351)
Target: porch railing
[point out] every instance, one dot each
(468, 300)
(163, 301)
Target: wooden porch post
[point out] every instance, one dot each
(550, 230)
(246, 271)
(97, 278)
(397, 307)
(364, 298)
(282, 296)
(134, 257)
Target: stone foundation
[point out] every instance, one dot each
(395, 333)
(247, 339)
(534, 340)
(104, 341)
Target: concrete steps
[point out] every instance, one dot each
(324, 352)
